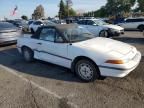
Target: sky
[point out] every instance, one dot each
(26, 7)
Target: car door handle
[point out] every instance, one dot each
(39, 43)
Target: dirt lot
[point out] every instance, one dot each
(44, 85)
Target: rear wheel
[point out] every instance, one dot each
(32, 31)
(103, 33)
(141, 28)
(86, 70)
(28, 54)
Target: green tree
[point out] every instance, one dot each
(141, 5)
(24, 17)
(132, 2)
(62, 10)
(38, 12)
(72, 12)
(115, 7)
(102, 12)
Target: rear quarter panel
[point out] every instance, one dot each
(28, 42)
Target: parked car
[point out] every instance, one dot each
(36, 24)
(74, 47)
(30, 22)
(59, 21)
(101, 28)
(8, 33)
(20, 23)
(133, 24)
(70, 21)
(23, 24)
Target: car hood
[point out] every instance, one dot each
(105, 45)
(113, 27)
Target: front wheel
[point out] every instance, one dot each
(103, 33)
(86, 70)
(141, 28)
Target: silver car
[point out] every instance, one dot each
(8, 33)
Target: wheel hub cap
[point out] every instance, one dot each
(26, 54)
(85, 71)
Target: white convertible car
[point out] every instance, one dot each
(75, 48)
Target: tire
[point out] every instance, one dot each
(28, 54)
(32, 31)
(141, 27)
(87, 70)
(103, 33)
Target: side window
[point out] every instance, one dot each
(134, 20)
(90, 22)
(48, 34)
(81, 22)
(139, 20)
(38, 23)
(128, 20)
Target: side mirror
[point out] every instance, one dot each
(59, 40)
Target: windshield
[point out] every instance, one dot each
(100, 22)
(78, 34)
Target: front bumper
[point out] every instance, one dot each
(121, 70)
(8, 40)
(115, 33)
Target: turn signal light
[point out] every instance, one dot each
(115, 61)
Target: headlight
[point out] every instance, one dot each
(113, 30)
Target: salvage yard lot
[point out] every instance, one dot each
(44, 85)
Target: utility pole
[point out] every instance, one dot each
(67, 2)
(60, 15)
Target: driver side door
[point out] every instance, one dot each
(51, 47)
